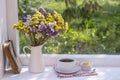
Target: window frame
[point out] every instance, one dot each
(3, 34)
(12, 18)
(50, 59)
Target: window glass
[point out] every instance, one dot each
(94, 25)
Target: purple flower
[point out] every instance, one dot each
(48, 31)
(45, 14)
(41, 9)
(35, 30)
(43, 27)
(24, 19)
(55, 33)
(49, 11)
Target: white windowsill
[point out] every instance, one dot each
(1, 73)
(104, 73)
(97, 60)
(107, 67)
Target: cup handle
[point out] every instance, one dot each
(24, 48)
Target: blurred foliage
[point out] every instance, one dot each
(94, 26)
(24, 8)
(70, 3)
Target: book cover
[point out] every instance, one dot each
(12, 57)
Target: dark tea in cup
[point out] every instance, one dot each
(66, 60)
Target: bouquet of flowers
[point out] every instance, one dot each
(41, 26)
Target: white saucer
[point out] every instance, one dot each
(73, 70)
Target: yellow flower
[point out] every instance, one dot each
(37, 18)
(20, 26)
(66, 27)
(37, 14)
(58, 28)
(55, 14)
(50, 18)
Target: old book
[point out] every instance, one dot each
(12, 57)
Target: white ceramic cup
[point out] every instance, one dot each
(66, 64)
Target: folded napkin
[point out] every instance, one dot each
(76, 74)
